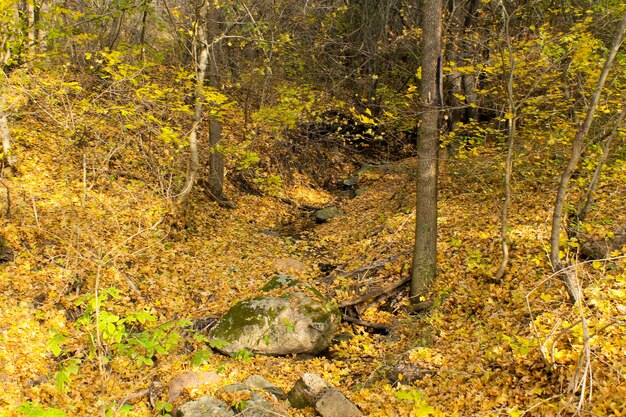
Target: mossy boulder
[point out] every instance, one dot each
(280, 281)
(297, 320)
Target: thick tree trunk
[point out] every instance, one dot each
(216, 161)
(424, 267)
(216, 65)
(577, 148)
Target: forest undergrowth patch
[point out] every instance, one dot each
(98, 301)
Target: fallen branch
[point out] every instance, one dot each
(379, 263)
(152, 392)
(376, 326)
(376, 292)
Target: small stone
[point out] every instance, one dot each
(333, 403)
(307, 390)
(325, 214)
(289, 265)
(205, 407)
(351, 182)
(312, 391)
(258, 406)
(260, 383)
(246, 402)
(359, 191)
(189, 380)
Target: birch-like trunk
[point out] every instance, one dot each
(510, 144)
(5, 134)
(586, 202)
(578, 143)
(201, 60)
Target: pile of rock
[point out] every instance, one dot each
(257, 397)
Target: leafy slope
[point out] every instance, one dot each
(478, 349)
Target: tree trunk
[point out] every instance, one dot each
(114, 31)
(586, 202)
(145, 7)
(577, 148)
(200, 49)
(461, 86)
(424, 267)
(5, 134)
(510, 143)
(216, 65)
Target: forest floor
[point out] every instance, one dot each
(91, 244)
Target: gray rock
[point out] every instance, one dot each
(205, 407)
(258, 406)
(307, 390)
(260, 383)
(359, 191)
(254, 406)
(233, 388)
(325, 214)
(187, 380)
(312, 391)
(351, 182)
(366, 169)
(333, 403)
(280, 281)
(297, 322)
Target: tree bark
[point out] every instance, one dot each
(510, 143)
(424, 269)
(200, 50)
(586, 202)
(115, 29)
(577, 149)
(457, 53)
(216, 65)
(5, 135)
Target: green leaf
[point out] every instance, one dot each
(33, 409)
(63, 377)
(244, 354)
(217, 343)
(421, 408)
(55, 343)
(201, 357)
